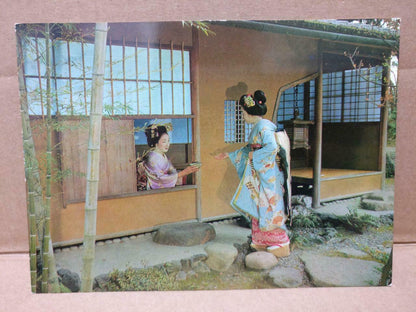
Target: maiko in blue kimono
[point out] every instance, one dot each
(263, 194)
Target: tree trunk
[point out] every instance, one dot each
(93, 156)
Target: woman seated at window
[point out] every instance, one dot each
(159, 171)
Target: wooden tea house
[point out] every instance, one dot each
(324, 82)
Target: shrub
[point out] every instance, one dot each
(308, 221)
(141, 279)
(357, 222)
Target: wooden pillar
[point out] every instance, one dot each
(317, 160)
(196, 139)
(384, 124)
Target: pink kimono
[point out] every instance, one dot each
(159, 171)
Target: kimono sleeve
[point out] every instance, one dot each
(265, 157)
(239, 159)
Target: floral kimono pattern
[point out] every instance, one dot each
(260, 193)
(159, 171)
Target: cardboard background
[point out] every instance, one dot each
(15, 292)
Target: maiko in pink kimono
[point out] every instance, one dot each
(159, 170)
(263, 194)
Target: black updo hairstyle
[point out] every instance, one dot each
(154, 133)
(254, 105)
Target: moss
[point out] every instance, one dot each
(226, 281)
(141, 279)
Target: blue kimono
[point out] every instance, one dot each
(261, 191)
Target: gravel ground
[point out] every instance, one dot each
(373, 241)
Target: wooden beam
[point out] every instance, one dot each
(384, 124)
(317, 162)
(195, 111)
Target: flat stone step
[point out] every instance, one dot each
(184, 234)
(325, 271)
(286, 277)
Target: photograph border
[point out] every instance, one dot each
(14, 260)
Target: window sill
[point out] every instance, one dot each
(142, 193)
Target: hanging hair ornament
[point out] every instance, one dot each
(248, 101)
(168, 126)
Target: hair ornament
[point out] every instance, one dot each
(248, 101)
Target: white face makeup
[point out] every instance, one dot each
(163, 144)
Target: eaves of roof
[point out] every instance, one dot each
(333, 36)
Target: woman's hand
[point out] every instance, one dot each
(187, 170)
(221, 156)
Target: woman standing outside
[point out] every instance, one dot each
(263, 194)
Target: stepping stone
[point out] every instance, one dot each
(188, 234)
(327, 271)
(380, 195)
(286, 277)
(260, 260)
(220, 256)
(352, 252)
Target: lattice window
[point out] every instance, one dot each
(236, 130)
(290, 100)
(362, 95)
(140, 79)
(347, 96)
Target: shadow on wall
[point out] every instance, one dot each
(228, 186)
(235, 92)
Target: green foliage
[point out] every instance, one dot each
(202, 26)
(306, 221)
(357, 222)
(379, 256)
(298, 239)
(391, 125)
(141, 279)
(153, 279)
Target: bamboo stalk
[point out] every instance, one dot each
(124, 76)
(39, 75)
(183, 77)
(171, 77)
(29, 164)
(84, 78)
(46, 237)
(136, 57)
(70, 78)
(148, 77)
(196, 125)
(161, 76)
(93, 156)
(55, 80)
(111, 79)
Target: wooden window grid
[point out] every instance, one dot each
(163, 96)
(236, 130)
(348, 96)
